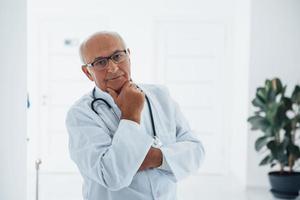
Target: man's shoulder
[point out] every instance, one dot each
(157, 89)
(87, 97)
(81, 104)
(157, 92)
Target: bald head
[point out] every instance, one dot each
(99, 40)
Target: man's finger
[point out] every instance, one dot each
(126, 84)
(133, 85)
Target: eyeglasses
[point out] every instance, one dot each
(101, 63)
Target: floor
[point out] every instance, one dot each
(54, 188)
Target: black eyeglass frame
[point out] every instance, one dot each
(107, 58)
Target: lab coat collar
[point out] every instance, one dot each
(154, 104)
(104, 95)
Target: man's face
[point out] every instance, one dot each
(114, 75)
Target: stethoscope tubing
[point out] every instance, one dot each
(110, 107)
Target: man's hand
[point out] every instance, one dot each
(130, 101)
(153, 159)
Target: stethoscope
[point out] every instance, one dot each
(110, 107)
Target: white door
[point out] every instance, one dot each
(60, 82)
(191, 62)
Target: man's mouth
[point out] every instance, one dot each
(113, 78)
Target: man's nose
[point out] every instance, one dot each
(112, 66)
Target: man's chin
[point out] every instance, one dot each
(117, 87)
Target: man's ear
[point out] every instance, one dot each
(128, 50)
(87, 72)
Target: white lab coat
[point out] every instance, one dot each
(108, 152)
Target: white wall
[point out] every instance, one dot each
(275, 51)
(13, 99)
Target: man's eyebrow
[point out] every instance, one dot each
(102, 57)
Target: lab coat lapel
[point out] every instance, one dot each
(155, 106)
(106, 113)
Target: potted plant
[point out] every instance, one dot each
(278, 118)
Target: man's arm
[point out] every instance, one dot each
(180, 158)
(185, 155)
(110, 161)
(131, 108)
(153, 159)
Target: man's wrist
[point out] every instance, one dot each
(157, 157)
(136, 119)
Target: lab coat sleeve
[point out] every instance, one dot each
(185, 155)
(110, 161)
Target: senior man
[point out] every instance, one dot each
(129, 142)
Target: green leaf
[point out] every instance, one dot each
(287, 103)
(282, 158)
(258, 102)
(296, 95)
(276, 115)
(268, 85)
(276, 85)
(273, 164)
(278, 151)
(262, 94)
(269, 132)
(269, 91)
(271, 145)
(281, 119)
(259, 122)
(274, 148)
(272, 112)
(268, 159)
(297, 118)
(261, 142)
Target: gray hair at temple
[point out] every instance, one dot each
(110, 33)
